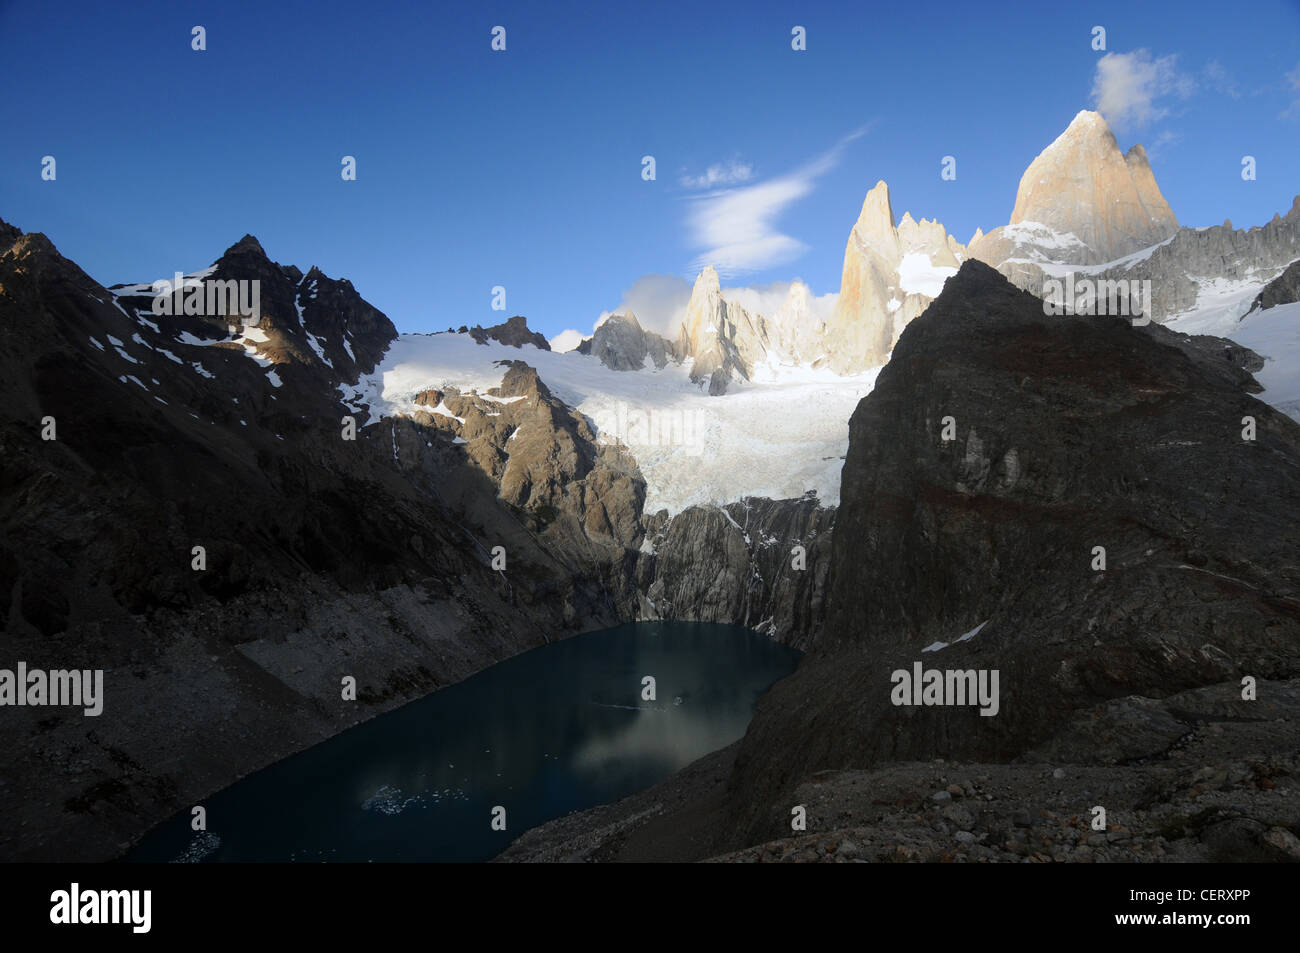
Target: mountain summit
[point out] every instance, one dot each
(890, 276)
(1082, 185)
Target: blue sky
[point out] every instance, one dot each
(523, 168)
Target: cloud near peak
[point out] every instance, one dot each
(1128, 87)
(735, 228)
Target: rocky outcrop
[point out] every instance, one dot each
(543, 459)
(621, 344)
(796, 334)
(514, 333)
(722, 338)
(1284, 289)
(980, 551)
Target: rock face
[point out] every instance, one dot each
(796, 334)
(1284, 289)
(739, 564)
(1082, 185)
(723, 338)
(620, 343)
(543, 459)
(890, 275)
(1070, 434)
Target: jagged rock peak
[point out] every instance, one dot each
(9, 233)
(876, 220)
(706, 282)
(246, 245)
(626, 317)
(514, 333)
(1082, 185)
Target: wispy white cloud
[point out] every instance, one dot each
(1220, 80)
(720, 174)
(1293, 90)
(1166, 138)
(736, 228)
(566, 340)
(1128, 87)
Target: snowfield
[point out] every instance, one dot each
(916, 275)
(1274, 334)
(776, 439)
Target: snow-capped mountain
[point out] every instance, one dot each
(1086, 211)
(1084, 199)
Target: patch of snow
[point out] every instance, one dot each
(184, 337)
(1274, 334)
(936, 646)
(314, 342)
(916, 275)
(443, 410)
(249, 340)
(1042, 236)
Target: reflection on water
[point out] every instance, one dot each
(558, 729)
